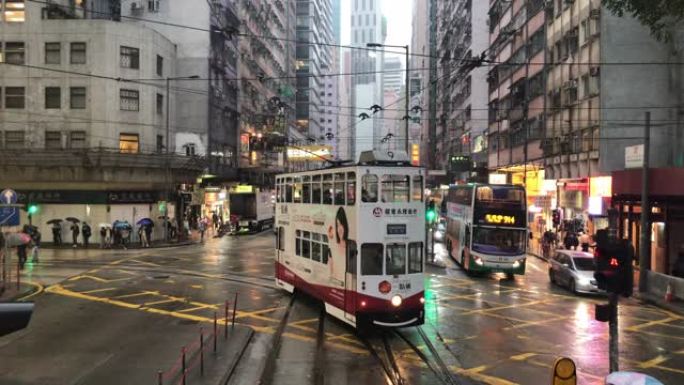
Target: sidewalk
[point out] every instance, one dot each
(675, 306)
(135, 245)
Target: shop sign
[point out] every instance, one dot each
(131, 197)
(242, 189)
(308, 153)
(600, 186)
(634, 156)
(497, 178)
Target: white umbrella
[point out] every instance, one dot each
(17, 239)
(105, 225)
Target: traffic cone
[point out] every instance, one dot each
(668, 293)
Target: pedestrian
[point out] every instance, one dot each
(584, 241)
(109, 235)
(215, 220)
(21, 254)
(202, 226)
(148, 234)
(570, 242)
(87, 233)
(124, 235)
(103, 237)
(56, 233)
(36, 238)
(74, 233)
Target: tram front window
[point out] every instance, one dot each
(396, 259)
(371, 259)
(499, 241)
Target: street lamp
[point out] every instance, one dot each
(168, 144)
(406, 104)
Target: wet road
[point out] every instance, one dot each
(478, 329)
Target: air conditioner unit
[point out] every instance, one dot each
(595, 71)
(595, 14)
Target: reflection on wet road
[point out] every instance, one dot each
(483, 329)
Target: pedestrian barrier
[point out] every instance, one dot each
(192, 355)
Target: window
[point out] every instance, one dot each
(160, 104)
(288, 190)
(316, 247)
(78, 53)
(14, 52)
(316, 189)
(371, 259)
(189, 149)
(415, 257)
(129, 57)
(306, 189)
(351, 188)
(298, 243)
(160, 143)
(369, 188)
(129, 143)
(77, 139)
(53, 97)
(14, 11)
(160, 66)
(53, 140)
(367, 20)
(129, 100)
(153, 5)
(325, 250)
(327, 189)
(395, 188)
(417, 192)
(297, 190)
(53, 53)
(306, 245)
(396, 259)
(14, 139)
(77, 98)
(14, 97)
(339, 188)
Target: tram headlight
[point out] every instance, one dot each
(422, 300)
(396, 301)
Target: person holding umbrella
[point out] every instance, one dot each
(56, 231)
(145, 231)
(87, 232)
(75, 230)
(103, 236)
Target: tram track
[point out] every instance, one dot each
(268, 371)
(437, 365)
(389, 365)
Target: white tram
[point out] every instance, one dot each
(353, 238)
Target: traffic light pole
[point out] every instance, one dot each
(645, 241)
(613, 352)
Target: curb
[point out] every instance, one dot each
(236, 360)
(34, 289)
(96, 247)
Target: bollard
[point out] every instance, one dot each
(234, 309)
(225, 323)
(215, 331)
(183, 364)
(160, 380)
(201, 351)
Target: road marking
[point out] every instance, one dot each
(534, 323)
(40, 289)
(145, 263)
(197, 286)
(98, 290)
(535, 267)
(475, 373)
(505, 307)
(306, 321)
(188, 310)
(522, 357)
(136, 294)
(160, 302)
(94, 278)
(652, 323)
(652, 362)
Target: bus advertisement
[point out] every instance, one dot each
(487, 227)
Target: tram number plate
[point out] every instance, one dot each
(396, 229)
(405, 285)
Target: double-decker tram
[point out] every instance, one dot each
(353, 237)
(487, 227)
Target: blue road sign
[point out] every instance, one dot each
(9, 216)
(8, 197)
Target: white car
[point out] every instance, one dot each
(574, 270)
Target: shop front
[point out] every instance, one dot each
(667, 215)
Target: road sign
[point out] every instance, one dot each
(9, 216)
(8, 197)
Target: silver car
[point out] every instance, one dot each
(574, 270)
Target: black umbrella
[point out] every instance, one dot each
(72, 219)
(163, 217)
(53, 221)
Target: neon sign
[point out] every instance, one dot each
(500, 219)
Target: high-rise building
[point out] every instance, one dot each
(461, 95)
(207, 107)
(419, 79)
(393, 75)
(266, 73)
(367, 26)
(315, 59)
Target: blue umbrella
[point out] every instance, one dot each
(121, 225)
(145, 222)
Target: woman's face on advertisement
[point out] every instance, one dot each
(340, 229)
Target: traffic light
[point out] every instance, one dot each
(14, 316)
(614, 271)
(460, 163)
(430, 212)
(32, 208)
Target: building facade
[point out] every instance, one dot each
(81, 135)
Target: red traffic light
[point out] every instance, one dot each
(614, 262)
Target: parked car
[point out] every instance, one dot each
(574, 270)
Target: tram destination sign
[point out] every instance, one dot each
(507, 218)
(396, 229)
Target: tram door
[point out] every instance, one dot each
(350, 281)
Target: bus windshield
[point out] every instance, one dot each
(499, 241)
(505, 196)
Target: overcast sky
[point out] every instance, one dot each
(398, 13)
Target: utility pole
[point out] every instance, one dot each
(406, 102)
(613, 351)
(645, 240)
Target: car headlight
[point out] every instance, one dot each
(396, 301)
(516, 264)
(478, 260)
(584, 281)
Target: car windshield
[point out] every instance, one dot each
(584, 264)
(499, 241)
